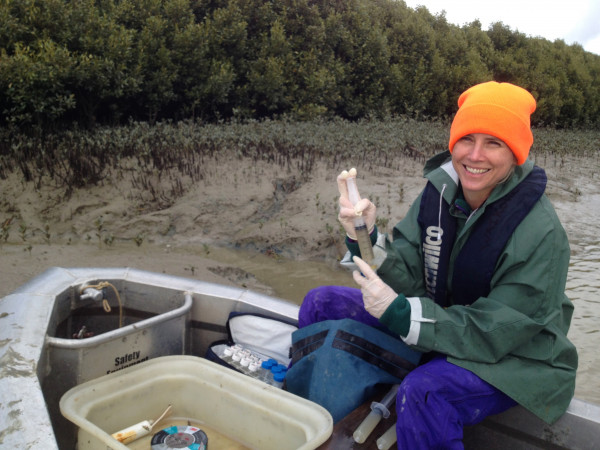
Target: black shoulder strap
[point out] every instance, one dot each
(474, 266)
(438, 231)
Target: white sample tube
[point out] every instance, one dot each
(363, 431)
(360, 227)
(227, 352)
(387, 439)
(139, 430)
(133, 432)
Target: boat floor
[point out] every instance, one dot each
(344, 429)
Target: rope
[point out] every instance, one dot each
(105, 304)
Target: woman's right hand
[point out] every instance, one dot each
(349, 212)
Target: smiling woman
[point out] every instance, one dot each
(481, 161)
(474, 278)
(490, 134)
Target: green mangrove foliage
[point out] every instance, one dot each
(163, 160)
(76, 158)
(106, 62)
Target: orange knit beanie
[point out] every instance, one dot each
(498, 109)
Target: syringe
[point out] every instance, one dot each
(362, 233)
(378, 411)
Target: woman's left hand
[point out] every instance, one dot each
(377, 295)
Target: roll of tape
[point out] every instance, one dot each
(178, 437)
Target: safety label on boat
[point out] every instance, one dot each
(127, 360)
(180, 437)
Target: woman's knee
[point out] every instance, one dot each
(331, 303)
(415, 388)
(314, 307)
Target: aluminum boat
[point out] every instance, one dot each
(60, 330)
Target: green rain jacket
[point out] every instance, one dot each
(516, 337)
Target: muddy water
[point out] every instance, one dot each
(580, 215)
(289, 279)
(583, 288)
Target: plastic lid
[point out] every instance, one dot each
(269, 363)
(279, 368)
(279, 376)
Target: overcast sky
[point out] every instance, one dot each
(572, 21)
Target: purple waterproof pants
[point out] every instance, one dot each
(435, 400)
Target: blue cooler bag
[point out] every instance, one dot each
(339, 363)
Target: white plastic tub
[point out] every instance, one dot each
(226, 403)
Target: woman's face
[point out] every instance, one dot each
(481, 161)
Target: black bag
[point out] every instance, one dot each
(264, 337)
